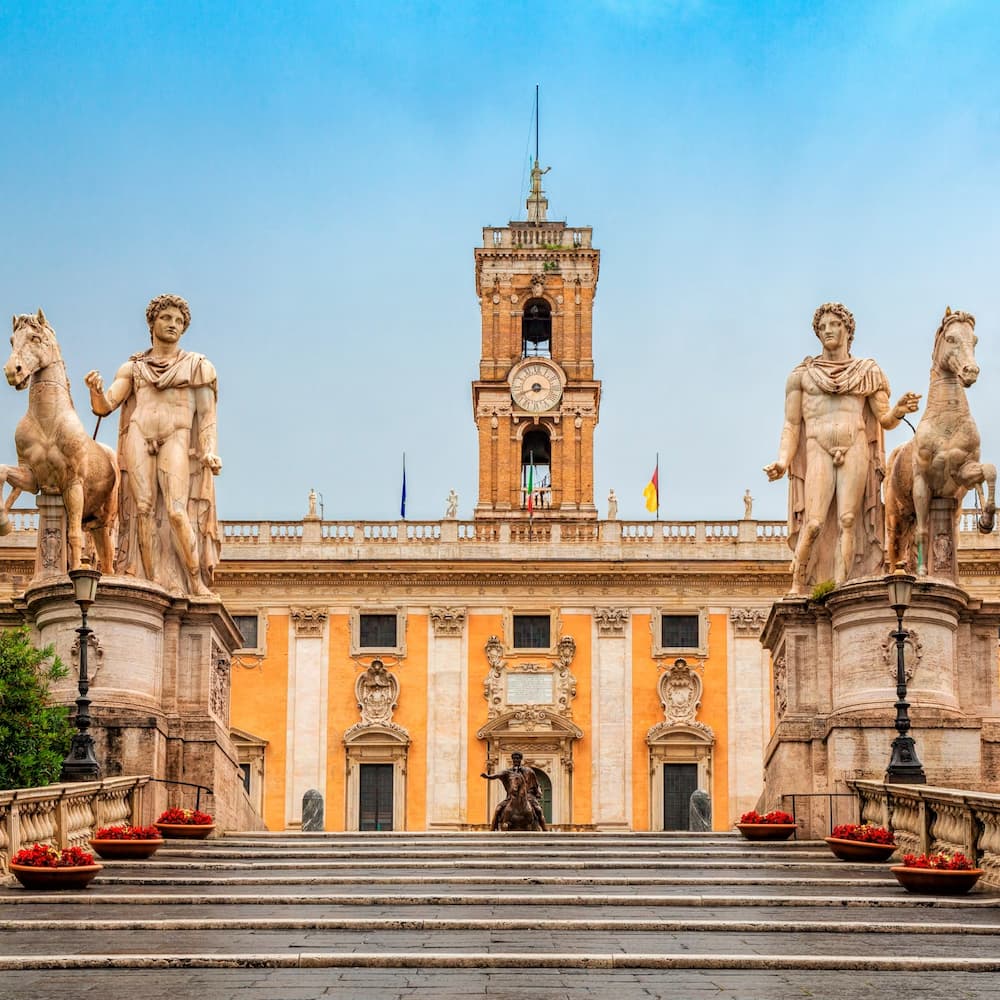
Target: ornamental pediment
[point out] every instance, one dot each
(530, 720)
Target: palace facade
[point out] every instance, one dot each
(387, 664)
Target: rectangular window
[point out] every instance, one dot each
(679, 631)
(532, 631)
(377, 631)
(247, 624)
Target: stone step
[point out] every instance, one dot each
(532, 960)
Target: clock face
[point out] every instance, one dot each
(536, 387)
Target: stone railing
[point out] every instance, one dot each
(545, 538)
(924, 818)
(66, 815)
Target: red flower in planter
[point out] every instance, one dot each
(939, 860)
(863, 832)
(192, 817)
(126, 831)
(774, 816)
(47, 856)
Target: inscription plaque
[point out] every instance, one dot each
(529, 689)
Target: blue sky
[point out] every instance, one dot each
(313, 178)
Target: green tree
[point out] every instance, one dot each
(35, 735)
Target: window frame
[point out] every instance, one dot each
(261, 648)
(399, 649)
(656, 626)
(508, 631)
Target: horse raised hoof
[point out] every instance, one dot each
(986, 521)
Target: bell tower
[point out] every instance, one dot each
(536, 401)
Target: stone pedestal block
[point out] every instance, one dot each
(834, 684)
(159, 670)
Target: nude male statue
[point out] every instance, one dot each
(836, 408)
(167, 452)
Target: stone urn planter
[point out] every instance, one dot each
(188, 831)
(861, 842)
(190, 824)
(775, 825)
(857, 850)
(45, 867)
(937, 874)
(126, 842)
(766, 831)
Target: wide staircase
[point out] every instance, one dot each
(474, 914)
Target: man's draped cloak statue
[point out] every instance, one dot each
(853, 377)
(187, 370)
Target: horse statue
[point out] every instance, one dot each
(518, 813)
(942, 459)
(55, 454)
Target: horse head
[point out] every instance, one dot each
(33, 346)
(955, 347)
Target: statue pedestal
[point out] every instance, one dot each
(159, 672)
(834, 684)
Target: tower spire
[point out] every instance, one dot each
(538, 204)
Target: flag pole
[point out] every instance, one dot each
(657, 486)
(402, 496)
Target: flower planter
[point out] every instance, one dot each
(67, 877)
(123, 850)
(936, 881)
(859, 850)
(190, 831)
(766, 831)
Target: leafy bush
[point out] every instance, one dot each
(35, 735)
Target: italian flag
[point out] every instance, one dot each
(531, 484)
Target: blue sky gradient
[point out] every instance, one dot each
(313, 177)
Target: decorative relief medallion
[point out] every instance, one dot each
(913, 653)
(748, 620)
(680, 690)
(611, 621)
(377, 694)
(448, 621)
(95, 656)
(309, 621)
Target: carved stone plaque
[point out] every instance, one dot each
(529, 689)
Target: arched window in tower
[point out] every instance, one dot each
(536, 471)
(536, 329)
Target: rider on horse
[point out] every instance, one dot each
(531, 780)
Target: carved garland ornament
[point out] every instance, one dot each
(611, 621)
(748, 620)
(780, 687)
(218, 697)
(448, 621)
(309, 621)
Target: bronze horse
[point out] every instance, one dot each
(55, 455)
(518, 813)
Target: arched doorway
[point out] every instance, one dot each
(536, 329)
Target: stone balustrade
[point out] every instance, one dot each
(924, 818)
(452, 539)
(66, 815)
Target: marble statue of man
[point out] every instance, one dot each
(168, 531)
(836, 408)
(747, 506)
(612, 506)
(451, 508)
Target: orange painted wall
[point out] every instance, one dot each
(412, 716)
(579, 626)
(341, 714)
(259, 705)
(646, 713)
(481, 627)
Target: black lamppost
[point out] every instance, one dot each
(904, 765)
(81, 763)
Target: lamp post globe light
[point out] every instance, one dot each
(81, 762)
(904, 765)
